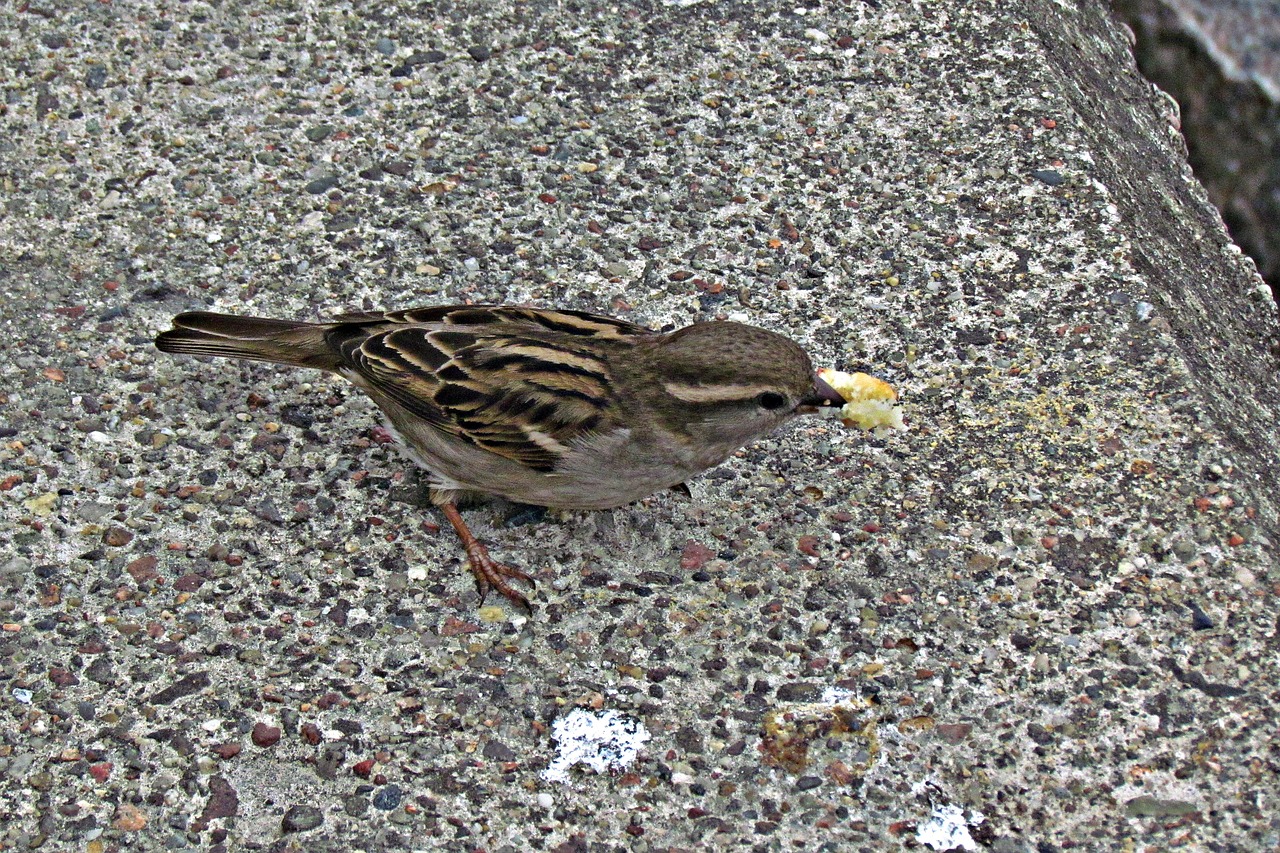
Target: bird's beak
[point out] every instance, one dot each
(821, 396)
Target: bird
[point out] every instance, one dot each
(550, 407)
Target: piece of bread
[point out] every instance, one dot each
(869, 401)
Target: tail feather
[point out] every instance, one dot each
(255, 338)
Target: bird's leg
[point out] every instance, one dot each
(489, 573)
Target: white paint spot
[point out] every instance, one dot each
(603, 740)
(833, 695)
(948, 829)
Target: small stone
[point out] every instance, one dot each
(1146, 806)
(227, 750)
(301, 819)
(96, 76)
(496, 750)
(954, 732)
(42, 504)
(101, 671)
(695, 555)
(1200, 620)
(63, 677)
(117, 537)
(321, 184)
(265, 735)
(129, 818)
(223, 802)
(269, 512)
(355, 805)
(184, 686)
(188, 583)
(453, 627)
(388, 798)
(491, 613)
(143, 569)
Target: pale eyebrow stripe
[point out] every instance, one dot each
(712, 393)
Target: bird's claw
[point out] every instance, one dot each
(491, 575)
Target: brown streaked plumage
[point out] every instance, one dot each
(555, 408)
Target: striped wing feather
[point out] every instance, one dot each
(524, 390)
(577, 323)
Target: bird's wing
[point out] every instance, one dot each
(564, 321)
(512, 381)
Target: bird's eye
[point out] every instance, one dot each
(771, 401)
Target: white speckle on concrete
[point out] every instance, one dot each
(833, 695)
(603, 740)
(948, 829)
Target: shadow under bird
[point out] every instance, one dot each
(554, 408)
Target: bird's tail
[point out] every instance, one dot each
(256, 338)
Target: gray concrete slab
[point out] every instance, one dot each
(1043, 618)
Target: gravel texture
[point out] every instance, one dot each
(230, 622)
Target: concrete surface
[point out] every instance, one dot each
(1043, 619)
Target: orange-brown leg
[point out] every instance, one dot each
(489, 573)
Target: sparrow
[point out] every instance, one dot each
(554, 408)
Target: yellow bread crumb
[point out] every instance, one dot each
(869, 401)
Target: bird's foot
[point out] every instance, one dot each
(488, 572)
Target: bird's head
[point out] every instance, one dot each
(729, 383)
